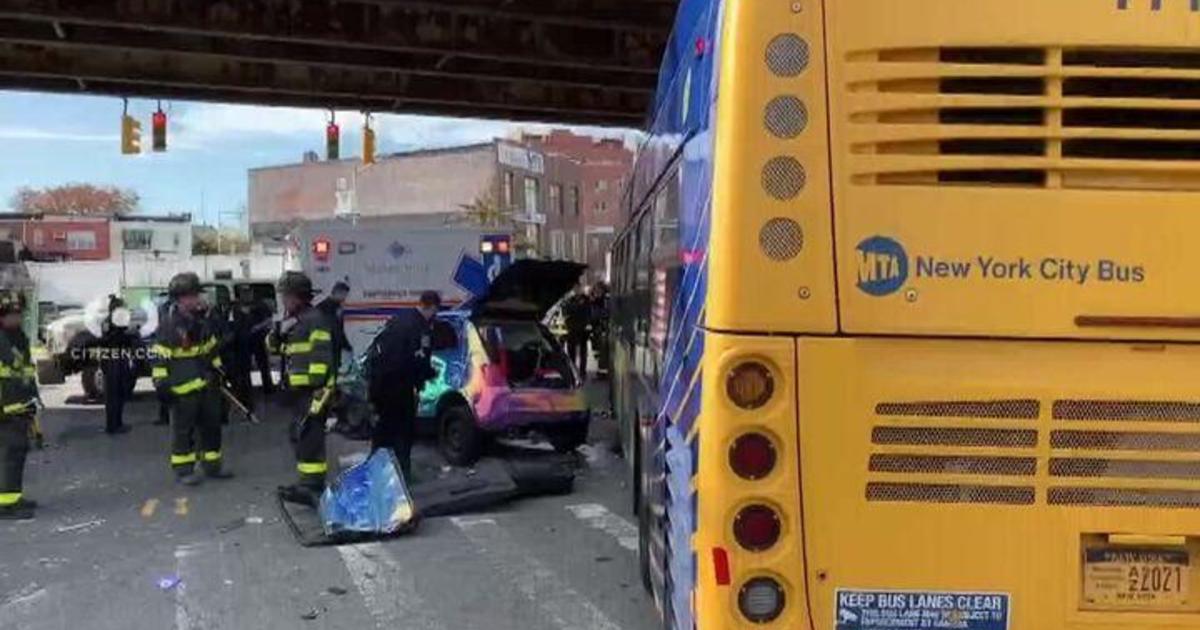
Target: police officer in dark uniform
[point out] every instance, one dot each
(242, 323)
(400, 367)
(18, 404)
(116, 364)
(185, 362)
(577, 313)
(334, 307)
(305, 341)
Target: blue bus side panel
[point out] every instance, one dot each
(685, 110)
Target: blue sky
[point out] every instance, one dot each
(53, 139)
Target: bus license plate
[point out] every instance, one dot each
(1131, 578)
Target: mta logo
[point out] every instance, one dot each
(397, 249)
(882, 266)
(1156, 5)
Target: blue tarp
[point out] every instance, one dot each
(369, 498)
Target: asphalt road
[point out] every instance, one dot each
(117, 545)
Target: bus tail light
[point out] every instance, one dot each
(761, 600)
(750, 385)
(720, 559)
(756, 528)
(752, 456)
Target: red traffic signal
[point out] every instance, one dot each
(158, 126)
(333, 136)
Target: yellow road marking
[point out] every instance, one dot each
(149, 507)
(181, 506)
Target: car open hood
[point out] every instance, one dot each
(528, 289)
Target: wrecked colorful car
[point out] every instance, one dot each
(501, 371)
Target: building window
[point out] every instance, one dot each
(575, 246)
(138, 240)
(602, 207)
(574, 200)
(39, 237)
(81, 240)
(601, 185)
(532, 190)
(508, 190)
(556, 202)
(558, 242)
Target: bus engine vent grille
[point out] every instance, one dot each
(1127, 410)
(1014, 409)
(1058, 117)
(950, 493)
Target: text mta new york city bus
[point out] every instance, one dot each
(905, 319)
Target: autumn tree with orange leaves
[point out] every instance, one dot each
(81, 199)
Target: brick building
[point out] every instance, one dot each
(560, 194)
(51, 238)
(584, 225)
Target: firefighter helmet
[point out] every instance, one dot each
(186, 283)
(296, 283)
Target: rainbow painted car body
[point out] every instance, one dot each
(500, 370)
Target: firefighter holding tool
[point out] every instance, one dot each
(18, 407)
(186, 369)
(305, 340)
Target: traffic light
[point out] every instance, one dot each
(368, 148)
(131, 135)
(333, 137)
(158, 129)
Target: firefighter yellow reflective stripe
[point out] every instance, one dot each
(299, 347)
(180, 460)
(185, 353)
(158, 372)
(318, 369)
(9, 498)
(217, 362)
(212, 456)
(16, 407)
(300, 380)
(312, 468)
(320, 335)
(29, 371)
(193, 385)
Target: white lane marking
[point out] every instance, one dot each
(599, 517)
(564, 606)
(184, 619)
(387, 588)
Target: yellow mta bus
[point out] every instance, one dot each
(905, 319)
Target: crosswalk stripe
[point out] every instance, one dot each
(564, 606)
(387, 589)
(599, 517)
(185, 618)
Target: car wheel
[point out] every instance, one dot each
(567, 438)
(93, 382)
(461, 440)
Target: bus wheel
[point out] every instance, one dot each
(644, 548)
(461, 440)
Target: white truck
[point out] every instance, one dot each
(388, 262)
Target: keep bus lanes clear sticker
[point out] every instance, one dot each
(940, 610)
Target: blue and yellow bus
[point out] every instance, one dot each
(905, 319)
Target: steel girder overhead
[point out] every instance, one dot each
(578, 61)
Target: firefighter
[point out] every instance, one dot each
(18, 404)
(242, 321)
(305, 341)
(577, 311)
(185, 367)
